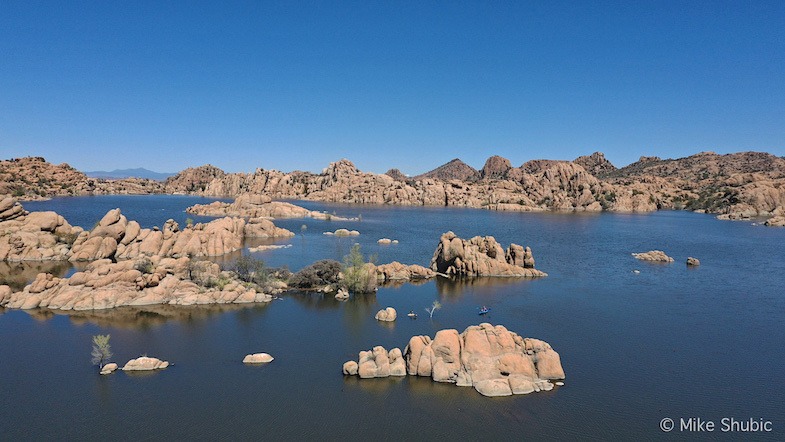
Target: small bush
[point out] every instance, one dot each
(318, 274)
(357, 277)
(250, 269)
(144, 265)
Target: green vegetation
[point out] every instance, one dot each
(144, 265)
(102, 351)
(250, 269)
(357, 277)
(318, 274)
(189, 222)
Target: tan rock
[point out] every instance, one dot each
(693, 262)
(257, 358)
(350, 368)
(109, 368)
(387, 315)
(145, 363)
(481, 256)
(654, 256)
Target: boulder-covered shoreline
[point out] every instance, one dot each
(734, 186)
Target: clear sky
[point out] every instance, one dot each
(295, 85)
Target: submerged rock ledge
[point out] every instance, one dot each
(492, 359)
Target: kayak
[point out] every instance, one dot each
(484, 311)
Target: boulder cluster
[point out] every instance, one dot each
(492, 359)
(653, 256)
(36, 236)
(146, 281)
(482, 256)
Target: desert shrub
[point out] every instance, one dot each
(250, 269)
(217, 282)
(66, 238)
(144, 265)
(318, 274)
(357, 277)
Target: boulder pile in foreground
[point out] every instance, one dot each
(492, 359)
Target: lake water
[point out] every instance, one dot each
(670, 341)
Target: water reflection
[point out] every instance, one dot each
(455, 287)
(145, 317)
(18, 274)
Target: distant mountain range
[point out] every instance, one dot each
(130, 173)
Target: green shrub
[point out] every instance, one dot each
(318, 274)
(357, 277)
(144, 265)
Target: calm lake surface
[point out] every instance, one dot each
(636, 348)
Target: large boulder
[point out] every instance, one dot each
(387, 315)
(482, 256)
(145, 363)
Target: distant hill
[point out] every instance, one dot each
(130, 173)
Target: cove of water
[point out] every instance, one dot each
(670, 341)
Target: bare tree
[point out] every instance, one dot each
(102, 351)
(435, 306)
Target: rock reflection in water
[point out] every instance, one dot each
(143, 316)
(18, 274)
(455, 287)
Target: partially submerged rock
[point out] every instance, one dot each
(388, 315)
(482, 256)
(33, 236)
(346, 232)
(342, 294)
(693, 262)
(493, 360)
(145, 363)
(653, 256)
(257, 358)
(777, 221)
(395, 271)
(109, 368)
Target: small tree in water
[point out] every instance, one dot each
(356, 276)
(435, 306)
(102, 351)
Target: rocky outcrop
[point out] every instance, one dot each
(258, 358)
(397, 175)
(386, 315)
(776, 221)
(145, 281)
(395, 271)
(193, 179)
(343, 232)
(259, 206)
(481, 256)
(596, 164)
(492, 359)
(33, 236)
(495, 167)
(653, 256)
(455, 169)
(377, 363)
(116, 237)
(693, 262)
(32, 178)
(145, 363)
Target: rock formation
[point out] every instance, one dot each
(495, 167)
(108, 368)
(654, 256)
(386, 315)
(36, 236)
(32, 178)
(258, 358)
(193, 179)
(397, 175)
(493, 360)
(145, 363)
(776, 221)
(596, 164)
(116, 237)
(145, 281)
(455, 169)
(259, 206)
(694, 262)
(481, 256)
(395, 271)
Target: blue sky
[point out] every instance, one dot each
(296, 85)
